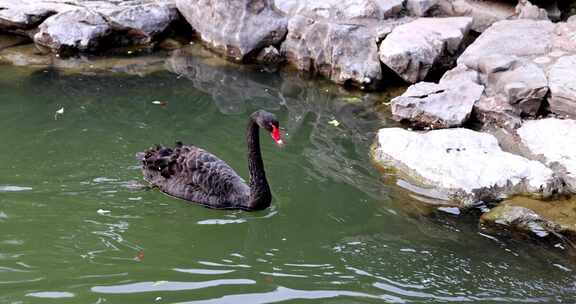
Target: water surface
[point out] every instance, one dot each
(77, 227)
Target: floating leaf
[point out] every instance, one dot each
(58, 112)
(102, 211)
(334, 122)
(159, 102)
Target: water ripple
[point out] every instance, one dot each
(223, 265)
(51, 294)
(14, 188)
(204, 271)
(167, 286)
(286, 294)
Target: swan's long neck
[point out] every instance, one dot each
(260, 195)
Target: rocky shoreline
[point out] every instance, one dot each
(491, 105)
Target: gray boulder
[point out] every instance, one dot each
(484, 13)
(74, 30)
(237, 29)
(523, 86)
(141, 22)
(497, 111)
(18, 16)
(344, 53)
(414, 48)
(430, 105)
(503, 39)
(420, 8)
(518, 82)
(466, 165)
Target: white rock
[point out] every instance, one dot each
(554, 140)
(467, 165)
(562, 82)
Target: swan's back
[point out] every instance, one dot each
(196, 175)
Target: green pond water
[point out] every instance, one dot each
(77, 227)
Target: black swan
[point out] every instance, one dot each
(196, 175)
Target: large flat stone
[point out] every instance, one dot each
(237, 29)
(503, 39)
(466, 165)
(414, 48)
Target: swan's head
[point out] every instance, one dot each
(268, 122)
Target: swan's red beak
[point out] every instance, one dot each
(276, 135)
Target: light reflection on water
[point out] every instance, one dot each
(80, 226)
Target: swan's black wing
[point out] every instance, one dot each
(194, 174)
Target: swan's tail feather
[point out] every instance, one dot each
(159, 162)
